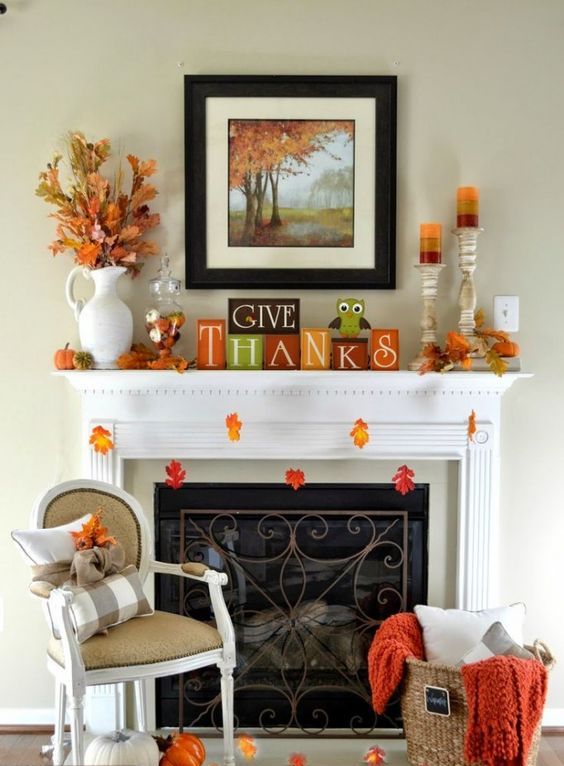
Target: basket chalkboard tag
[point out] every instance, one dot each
(437, 700)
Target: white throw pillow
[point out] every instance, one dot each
(449, 633)
(45, 546)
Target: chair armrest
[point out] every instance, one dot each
(214, 580)
(59, 603)
(191, 570)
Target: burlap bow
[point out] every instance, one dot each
(88, 566)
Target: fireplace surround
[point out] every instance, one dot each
(296, 416)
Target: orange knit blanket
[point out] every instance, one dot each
(398, 638)
(505, 697)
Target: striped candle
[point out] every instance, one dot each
(467, 206)
(430, 243)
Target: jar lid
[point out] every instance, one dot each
(164, 282)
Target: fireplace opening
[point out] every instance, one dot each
(312, 574)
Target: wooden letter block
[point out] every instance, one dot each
(282, 352)
(316, 348)
(350, 354)
(384, 353)
(264, 315)
(211, 344)
(244, 352)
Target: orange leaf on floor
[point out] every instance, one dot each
(233, 425)
(176, 474)
(375, 756)
(297, 759)
(471, 426)
(100, 440)
(295, 478)
(359, 433)
(247, 746)
(403, 480)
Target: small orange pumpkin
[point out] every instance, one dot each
(176, 755)
(506, 348)
(63, 358)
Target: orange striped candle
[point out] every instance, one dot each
(430, 243)
(467, 206)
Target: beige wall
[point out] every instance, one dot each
(480, 102)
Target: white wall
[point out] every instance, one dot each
(480, 102)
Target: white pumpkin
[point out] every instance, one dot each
(122, 749)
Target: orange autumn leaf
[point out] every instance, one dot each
(295, 478)
(92, 533)
(88, 253)
(247, 746)
(403, 479)
(233, 425)
(100, 439)
(375, 756)
(471, 426)
(297, 759)
(359, 433)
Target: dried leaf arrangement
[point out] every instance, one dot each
(490, 344)
(96, 219)
(142, 358)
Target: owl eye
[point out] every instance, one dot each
(343, 306)
(357, 308)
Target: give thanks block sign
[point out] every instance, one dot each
(265, 333)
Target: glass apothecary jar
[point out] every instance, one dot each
(164, 317)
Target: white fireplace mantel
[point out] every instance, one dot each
(308, 415)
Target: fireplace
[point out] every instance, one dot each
(296, 416)
(312, 575)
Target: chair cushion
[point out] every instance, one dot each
(158, 637)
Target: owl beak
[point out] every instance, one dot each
(349, 313)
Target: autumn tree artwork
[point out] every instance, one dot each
(291, 183)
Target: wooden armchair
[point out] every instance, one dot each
(158, 645)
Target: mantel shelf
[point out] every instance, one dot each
(261, 381)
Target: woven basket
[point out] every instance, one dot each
(436, 740)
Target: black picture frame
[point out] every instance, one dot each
(380, 274)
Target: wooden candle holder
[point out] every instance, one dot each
(467, 256)
(429, 282)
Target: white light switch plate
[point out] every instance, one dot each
(506, 312)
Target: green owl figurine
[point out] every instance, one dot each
(351, 317)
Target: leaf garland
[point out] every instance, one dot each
(359, 433)
(295, 478)
(472, 428)
(403, 479)
(100, 439)
(233, 425)
(175, 475)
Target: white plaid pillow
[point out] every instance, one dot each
(495, 642)
(108, 602)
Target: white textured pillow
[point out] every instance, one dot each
(45, 546)
(449, 633)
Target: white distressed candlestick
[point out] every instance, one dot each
(467, 255)
(429, 283)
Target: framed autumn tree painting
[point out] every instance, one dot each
(290, 181)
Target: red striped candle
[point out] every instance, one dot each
(430, 243)
(467, 206)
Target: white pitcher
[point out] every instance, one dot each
(105, 323)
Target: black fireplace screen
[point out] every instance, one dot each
(311, 576)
